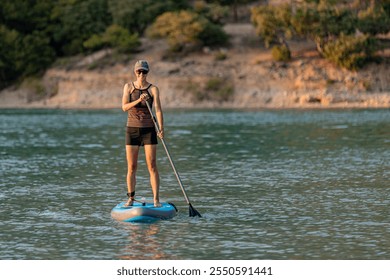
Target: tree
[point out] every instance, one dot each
(186, 29)
(323, 23)
(374, 20)
(25, 47)
(233, 4)
(350, 52)
(75, 21)
(23, 55)
(179, 28)
(8, 69)
(272, 23)
(136, 15)
(214, 12)
(26, 16)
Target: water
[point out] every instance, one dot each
(269, 184)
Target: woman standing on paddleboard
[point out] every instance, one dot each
(140, 130)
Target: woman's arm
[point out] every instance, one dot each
(158, 109)
(126, 105)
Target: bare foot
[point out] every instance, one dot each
(129, 202)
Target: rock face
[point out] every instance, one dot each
(241, 76)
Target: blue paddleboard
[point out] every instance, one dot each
(139, 213)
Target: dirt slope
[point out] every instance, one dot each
(246, 68)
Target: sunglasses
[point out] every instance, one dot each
(142, 71)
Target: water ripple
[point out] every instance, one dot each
(269, 185)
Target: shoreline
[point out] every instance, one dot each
(246, 78)
(205, 108)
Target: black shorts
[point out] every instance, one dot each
(139, 136)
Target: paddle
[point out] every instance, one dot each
(192, 211)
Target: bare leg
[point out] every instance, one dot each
(150, 154)
(132, 161)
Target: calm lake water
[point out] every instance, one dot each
(269, 184)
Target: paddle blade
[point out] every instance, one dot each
(193, 212)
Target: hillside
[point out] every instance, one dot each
(245, 69)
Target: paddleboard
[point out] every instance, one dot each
(147, 213)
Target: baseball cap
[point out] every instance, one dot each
(141, 64)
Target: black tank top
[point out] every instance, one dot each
(139, 115)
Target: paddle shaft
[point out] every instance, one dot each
(168, 155)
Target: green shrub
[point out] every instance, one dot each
(220, 55)
(116, 37)
(214, 12)
(120, 38)
(186, 29)
(374, 20)
(94, 43)
(272, 23)
(213, 35)
(136, 15)
(281, 53)
(350, 52)
(219, 89)
(35, 85)
(214, 89)
(179, 28)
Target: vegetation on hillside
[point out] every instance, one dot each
(344, 31)
(33, 34)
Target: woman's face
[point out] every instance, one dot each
(141, 74)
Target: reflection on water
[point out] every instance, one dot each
(142, 243)
(269, 185)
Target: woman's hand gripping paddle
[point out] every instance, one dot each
(192, 211)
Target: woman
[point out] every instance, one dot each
(140, 130)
